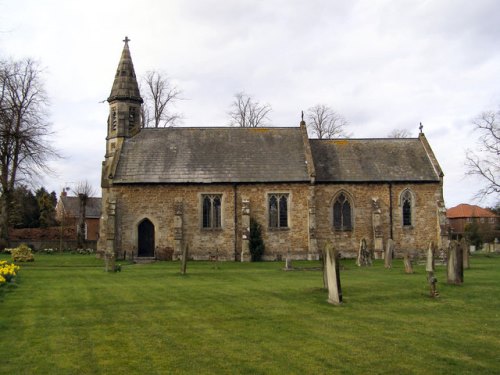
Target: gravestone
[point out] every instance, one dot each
(429, 267)
(364, 255)
(332, 270)
(407, 262)
(389, 251)
(455, 270)
(109, 261)
(185, 252)
(465, 253)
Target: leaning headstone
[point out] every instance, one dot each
(407, 262)
(288, 263)
(455, 265)
(185, 251)
(389, 251)
(364, 256)
(429, 267)
(465, 253)
(333, 275)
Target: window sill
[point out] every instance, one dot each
(273, 229)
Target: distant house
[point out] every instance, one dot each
(463, 214)
(68, 212)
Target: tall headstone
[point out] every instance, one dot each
(455, 264)
(429, 267)
(407, 262)
(178, 211)
(245, 226)
(389, 253)
(185, 252)
(333, 275)
(364, 255)
(109, 254)
(465, 253)
(378, 245)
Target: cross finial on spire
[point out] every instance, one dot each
(421, 127)
(126, 40)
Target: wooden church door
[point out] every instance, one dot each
(146, 239)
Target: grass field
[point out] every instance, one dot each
(65, 315)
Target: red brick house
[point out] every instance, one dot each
(463, 214)
(68, 212)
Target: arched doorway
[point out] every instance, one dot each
(146, 236)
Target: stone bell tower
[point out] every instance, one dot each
(124, 121)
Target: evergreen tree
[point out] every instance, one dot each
(47, 208)
(24, 209)
(256, 243)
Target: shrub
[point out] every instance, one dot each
(7, 271)
(256, 243)
(22, 253)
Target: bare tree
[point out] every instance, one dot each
(159, 98)
(325, 123)
(399, 133)
(83, 191)
(485, 160)
(24, 130)
(248, 113)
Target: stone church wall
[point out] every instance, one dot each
(157, 204)
(134, 203)
(424, 226)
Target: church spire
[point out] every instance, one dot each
(125, 85)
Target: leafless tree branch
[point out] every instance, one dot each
(159, 98)
(485, 160)
(248, 113)
(325, 123)
(25, 148)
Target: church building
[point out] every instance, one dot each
(164, 189)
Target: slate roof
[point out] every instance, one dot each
(72, 207)
(213, 155)
(372, 160)
(468, 210)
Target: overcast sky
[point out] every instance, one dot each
(382, 64)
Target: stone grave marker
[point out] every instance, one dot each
(429, 267)
(364, 255)
(465, 253)
(389, 253)
(185, 252)
(455, 270)
(332, 268)
(407, 262)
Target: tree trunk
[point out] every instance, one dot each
(4, 217)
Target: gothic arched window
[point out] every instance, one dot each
(406, 208)
(278, 210)
(212, 205)
(342, 213)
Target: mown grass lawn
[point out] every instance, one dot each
(65, 315)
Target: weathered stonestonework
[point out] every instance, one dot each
(424, 227)
(158, 204)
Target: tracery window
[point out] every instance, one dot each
(212, 205)
(278, 210)
(342, 213)
(406, 207)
